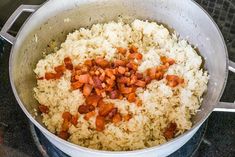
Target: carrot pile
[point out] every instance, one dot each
(99, 78)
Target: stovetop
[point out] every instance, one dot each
(15, 136)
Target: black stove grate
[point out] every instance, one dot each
(223, 12)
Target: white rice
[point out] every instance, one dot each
(161, 103)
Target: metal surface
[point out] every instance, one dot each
(232, 66)
(184, 16)
(225, 107)
(23, 8)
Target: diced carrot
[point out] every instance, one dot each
(171, 77)
(100, 123)
(67, 116)
(49, 75)
(76, 85)
(127, 74)
(93, 99)
(40, 78)
(138, 56)
(139, 76)
(112, 113)
(121, 50)
(43, 109)
(117, 118)
(172, 83)
(171, 61)
(89, 115)
(131, 97)
(180, 80)
(119, 62)
(100, 103)
(74, 120)
(65, 125)
(127, 117)
(91, 107)
(110, 82)
(147, 79)
(132, 65)
(170, 131)
(60, 69)
(124, 80)
(152, 73)
(101, 62)
(91, 82)
(133, 49)
(163, 67)
(121, 70)
(174, 80)
(138, 102)
(102, 76)
(133, 79)
(105, 109)
(68, 63)
(78, 68)
(87, 90)
(126, 90)
(165, 60)
(64, 135)
(159, 75)
(83, 109)
(97, 82)
(140, 83)
(85, 69)
(109, 88)
(98, 91)
(109, 73)
(88, 63)
(83, 78)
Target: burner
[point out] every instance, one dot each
(48, 149)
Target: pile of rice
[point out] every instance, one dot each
(161, 104)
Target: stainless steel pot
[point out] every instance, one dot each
(48, 22)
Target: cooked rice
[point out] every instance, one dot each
(161, 103)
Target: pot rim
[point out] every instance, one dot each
(89, 150)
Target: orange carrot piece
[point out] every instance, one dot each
(101, 62)
(67, 116)
(60, 69)
(117, 118)
(131, 97)
(140, 83)
(133, 49)
(121, 50)
(127, 117)
(83, 78)
(74, 120)
(87, 90)
(68, 63)
(100, 123)
(89, 115)
(105, 109)
(93, 99)
(76, 85)
(43, 109)
(64, 135)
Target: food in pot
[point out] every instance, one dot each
(120, 86)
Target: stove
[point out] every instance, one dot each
(20, 138)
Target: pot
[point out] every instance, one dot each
(56, 18)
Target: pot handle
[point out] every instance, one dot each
(23, 8)
(225, 106)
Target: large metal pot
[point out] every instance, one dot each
(48, 22)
